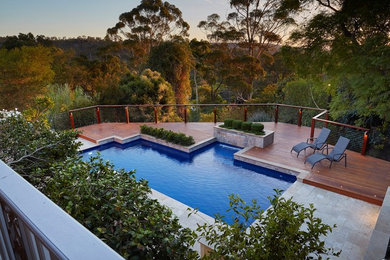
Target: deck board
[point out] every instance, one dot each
(364, 178)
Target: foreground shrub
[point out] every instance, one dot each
(237, 124)
(117, 208)
(287, 230)
(246, 126)
(257, 128)
(168, 135)
(26, 146)
(228, 123)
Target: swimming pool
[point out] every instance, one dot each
(202, 179)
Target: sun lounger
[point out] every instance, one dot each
(336, 155)
(318, 144)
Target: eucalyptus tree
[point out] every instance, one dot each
(253, 25)
(347, 43)
(173, 59)
(151, 22)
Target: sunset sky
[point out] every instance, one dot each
(72, 18)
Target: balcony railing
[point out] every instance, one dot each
(34, 227)
(299, 115)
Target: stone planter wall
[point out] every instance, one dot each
(242, 139)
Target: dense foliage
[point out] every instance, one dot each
(26, 146)
(109, 202)
(337, 58)
(168, 135)
(118, 209)
(24, 74)
(287, 230)
(249, 127)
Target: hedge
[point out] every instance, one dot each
(168, 135)
(237, 124)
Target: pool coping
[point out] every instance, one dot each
(239, 156)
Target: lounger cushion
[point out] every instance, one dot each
(301, 146)
(312, 159)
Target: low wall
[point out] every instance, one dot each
(242, 139)
(379, 241)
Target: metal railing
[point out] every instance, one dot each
(33, 227)
(299, 115)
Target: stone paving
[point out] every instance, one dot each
(355, 219)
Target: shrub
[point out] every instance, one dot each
(117, 208)
(237, 124)
(168, 135)
(228, 123)
(287, 230)
(28, 145)
(257, 128)
(246, 126)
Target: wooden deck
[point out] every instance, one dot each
(365, 177)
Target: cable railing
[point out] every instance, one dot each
(260, 112)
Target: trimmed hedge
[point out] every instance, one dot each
(168, 135)
(246, 126)
(228, 123)
(237, 124)
(257, 128)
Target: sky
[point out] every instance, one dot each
(72, 18)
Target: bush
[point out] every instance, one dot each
(257, 128)
(117, 208)
(237, 124)
(168, 135)
(246, 126)
(228, 123)
(287, 230)
(26, 146)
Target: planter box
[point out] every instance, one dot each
(242, 139)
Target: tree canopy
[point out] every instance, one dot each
(150, 23)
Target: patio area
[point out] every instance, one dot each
(365, 178)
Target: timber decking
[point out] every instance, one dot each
(365, 177)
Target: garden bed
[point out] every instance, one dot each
(243, 139)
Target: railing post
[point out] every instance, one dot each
(276, 113)
(245, 114)
(215, 115)
(300, 117)
(313, 125)
(185, 114)
(326, 118)
(71, 120)
(155, 115)
(98, 115)
(127, 115)
(365, 140)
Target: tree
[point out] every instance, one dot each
(347, 44)
(287, 230)
(29, 39)
(24, 74)
(149, 24)
(173, 59)
(94, 76)
(147, 88)
(26, 146)
(253, 25)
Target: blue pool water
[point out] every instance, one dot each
(202, 180)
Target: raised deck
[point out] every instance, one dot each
(365, 177)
